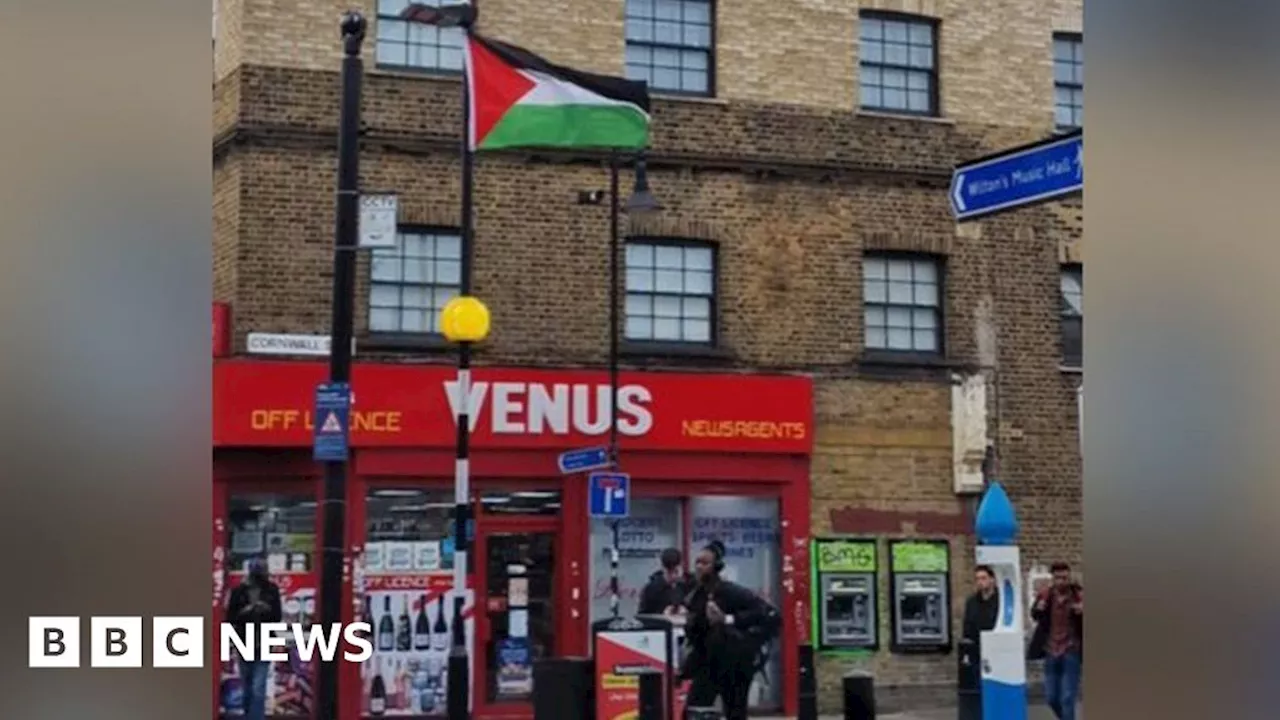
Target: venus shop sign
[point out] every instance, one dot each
(513, 408)
(268, 403)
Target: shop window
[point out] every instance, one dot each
(520, 502)
(281, 529)
(407, 579)
(653, 525)
(748, 527)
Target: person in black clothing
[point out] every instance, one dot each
(981, 610)
(252, 603)
(727, 626)
(667, 587)
(983, 607)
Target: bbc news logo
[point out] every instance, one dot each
(178, 642)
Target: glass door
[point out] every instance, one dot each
(517, 623)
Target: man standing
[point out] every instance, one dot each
(983, 607)
(667, 587)
(980, 612)
(254, 602)
(728, 625)
(1059, 639)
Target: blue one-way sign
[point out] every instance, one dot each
(1018, 177)
(574, 461)
(608, 494)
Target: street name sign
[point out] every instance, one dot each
(1019, 177)
(574, 461)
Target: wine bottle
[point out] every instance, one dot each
(393, 686)
(404, 628)
(366, 616)
(386, 627)
(422, 628)
(440, 631)
(378, 695)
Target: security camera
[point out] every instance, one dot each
(590, 197)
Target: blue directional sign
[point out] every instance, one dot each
(1014, 178)
(583, 460)
(608, 494)
(332, 411)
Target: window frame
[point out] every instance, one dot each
(713, 341)
(378, 18)
(1070, 361)
(1072, 37)
(394, 338)
(935, 74)
(711, 50)
(913, 355)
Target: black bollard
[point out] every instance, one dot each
(859, 696)
(968, 681)
(562, 689)
(807, 693)
(651, 696)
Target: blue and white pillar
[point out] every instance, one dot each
(1003, 649)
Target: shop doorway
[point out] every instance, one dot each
(516, 622)
(665, 517)
(277, 521)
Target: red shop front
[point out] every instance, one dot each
(711, 456)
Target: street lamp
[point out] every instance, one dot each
(463, 320)
(641, 200)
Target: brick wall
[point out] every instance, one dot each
(789, 184)
(791, 196)
(995, 56)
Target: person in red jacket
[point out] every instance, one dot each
(1059, 640)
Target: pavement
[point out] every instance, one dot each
(1036, 712)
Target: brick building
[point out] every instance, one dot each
(802, 152)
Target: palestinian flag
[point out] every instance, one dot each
(520, 100)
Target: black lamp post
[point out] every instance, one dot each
(346, 242)
(641, 200)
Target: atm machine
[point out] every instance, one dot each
(845, 590)
(920, 574)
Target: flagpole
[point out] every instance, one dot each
(458, 698)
